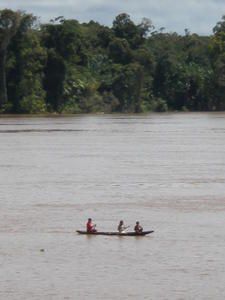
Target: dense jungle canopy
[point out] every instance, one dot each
(67, 67)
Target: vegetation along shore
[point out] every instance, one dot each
(69, 67)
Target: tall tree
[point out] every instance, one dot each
(218, 63)
(25, 62)
(125, 28)
(127, 87)
(63, 42)
(10, 22)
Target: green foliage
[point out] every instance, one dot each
(6, 108)
(70, 107)
(26, 72)
(32, 104)
(125, 28)
(10, 24)
(68, 67)
(154, 105)
(127, 87)
(160, 105)
(119, 51)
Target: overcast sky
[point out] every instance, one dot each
(199, 16)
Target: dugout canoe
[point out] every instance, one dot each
(131, 233)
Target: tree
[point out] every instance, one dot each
(119, 51)
(64, 46)
(25, 63)
(10, 22)
(145, 27)
(218, 64)
(220, 26)
(127, 87)
(125, 28)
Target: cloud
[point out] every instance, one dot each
(198, 16)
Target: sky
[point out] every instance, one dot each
(198, 16)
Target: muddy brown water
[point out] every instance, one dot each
(165, 170)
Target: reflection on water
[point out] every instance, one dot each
(165, 170)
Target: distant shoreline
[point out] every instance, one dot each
(58, 115)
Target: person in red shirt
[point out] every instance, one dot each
(90, 226)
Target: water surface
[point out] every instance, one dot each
(165, 170)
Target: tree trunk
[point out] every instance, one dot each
(3, 88)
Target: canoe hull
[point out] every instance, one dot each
(132, 233)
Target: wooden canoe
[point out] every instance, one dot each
(131, 233)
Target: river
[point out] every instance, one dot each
(165, 170)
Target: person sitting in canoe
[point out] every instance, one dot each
(90, 226)
(138, 228)
(122, 227)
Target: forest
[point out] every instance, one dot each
(65, 66)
